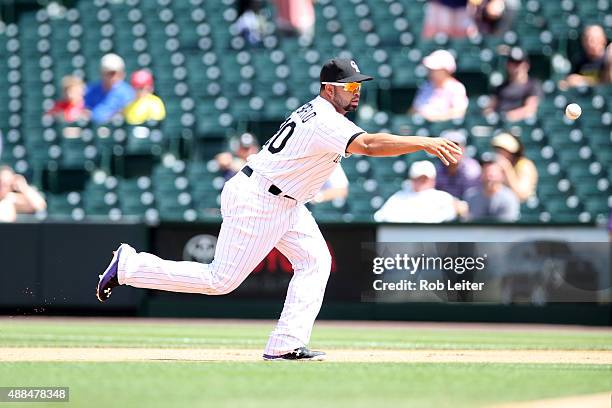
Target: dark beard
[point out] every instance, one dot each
(350, 107)
(346, 108)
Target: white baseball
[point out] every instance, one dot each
(573, 111)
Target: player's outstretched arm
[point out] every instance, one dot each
(385, 144)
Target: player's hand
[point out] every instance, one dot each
(19, 183)
(576, 80)
(448, 152)
(505, 165)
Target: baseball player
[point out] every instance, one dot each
(263, 207)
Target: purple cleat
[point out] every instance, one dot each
(108, 279)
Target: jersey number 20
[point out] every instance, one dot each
(286, 130)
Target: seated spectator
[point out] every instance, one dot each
(71, 108)
(520, 174)
(610, 226)
(589, 67)
(17, 196)
(493, 17)
(457, 178)
(492, 201)
(422, 203)
(296, 17)
(518, 97)
(442, 97)
(252, 23)
(335, 187)
(111, 95)
(146, 106)
(450, 17)
(607, 78)
(231, 162)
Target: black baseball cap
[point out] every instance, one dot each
(342, 70)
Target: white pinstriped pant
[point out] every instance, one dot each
(254, 222)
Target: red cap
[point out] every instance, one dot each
(142, 79)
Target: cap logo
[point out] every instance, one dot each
(354, 65)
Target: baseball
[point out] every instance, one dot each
(573, 111)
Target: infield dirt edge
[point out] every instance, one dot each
(95, 354)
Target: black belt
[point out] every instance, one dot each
(272, 189)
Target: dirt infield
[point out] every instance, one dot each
(250, 355)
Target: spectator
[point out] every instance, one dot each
(607, 78)
(231, 162)
(146, 106)
(296, 17)
(518, 97)
(71, 108)
(588, 69)
(520, 174)
(442, 97)
(493, 17)
(450, 17)
(457, 178)
(251, 23)
(109, 96)
(610, 226)
(17, 196)
(335, 187)
(423, 203)
(492, 201)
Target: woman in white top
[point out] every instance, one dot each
(442, 97)
(421, 203)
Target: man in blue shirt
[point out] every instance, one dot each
(492, 201)
(110, 95)
(457, 178)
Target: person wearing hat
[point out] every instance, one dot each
(442, 97)
(107, 97)
(458, 177)
(518, 97)
(492, 201)
(520, 174)
(146, 106)
(263, 207)
(421, 202)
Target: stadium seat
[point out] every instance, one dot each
(233, 87)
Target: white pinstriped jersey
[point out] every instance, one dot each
(309, 145)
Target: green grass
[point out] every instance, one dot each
(263, 384)
(103, 334)
(304, 384)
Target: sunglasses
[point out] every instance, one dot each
(352, 87)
